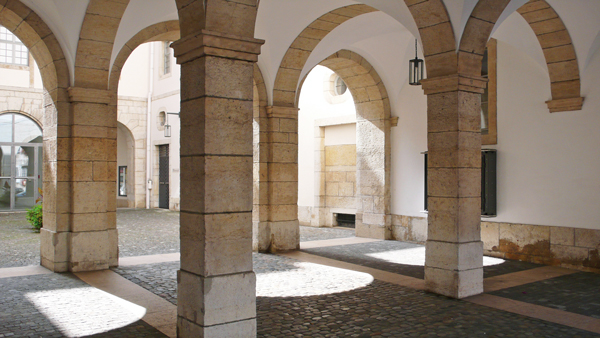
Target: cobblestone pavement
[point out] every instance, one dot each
(147, 231)
(20, 243)
(578, 293)
(315, 234)
(405, 258)
(60, 305)
(294, 301)
(141, 232)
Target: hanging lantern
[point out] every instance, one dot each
(167, 130)
(415, 69)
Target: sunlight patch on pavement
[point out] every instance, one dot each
(416, 257)
(308, 279)
(85, 311)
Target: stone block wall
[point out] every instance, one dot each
(23, 100)
(340, 177)
(549, 245)
(570, 247)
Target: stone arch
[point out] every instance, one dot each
(96, 40)
(373, 145)
(559, 52)
(437, 36)
(162, 31)
(288, 75)
(42, 44)
(35, 118)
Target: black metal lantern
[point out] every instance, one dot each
(415, 69)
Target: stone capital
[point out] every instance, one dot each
(216, 44)
(282, 112)
(455, 82)
(89, 95)
(569, 104)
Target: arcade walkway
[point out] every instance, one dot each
(336, 286)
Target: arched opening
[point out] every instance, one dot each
(326, 149)
(125, 167)
(21, 162)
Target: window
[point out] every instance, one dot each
(21, 156)
(340, 86)
(122, 180)
(166, 58)
(12, 50)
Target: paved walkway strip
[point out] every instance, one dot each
(24, 271)
(524, 277)
(149, 259)
(160, 314)
(336, 242)
(539, 312)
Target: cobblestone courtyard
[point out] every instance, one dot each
(295, 297)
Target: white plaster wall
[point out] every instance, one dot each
(548, 164)
(313, 106)
(340, 134)
(135, 74)
(409, 140)
(14, 77)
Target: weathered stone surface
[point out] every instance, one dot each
(209, 301)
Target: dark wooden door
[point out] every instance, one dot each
(163, 176)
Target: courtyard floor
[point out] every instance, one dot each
(337, 285)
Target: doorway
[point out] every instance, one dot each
(20, 162)
(163, 176)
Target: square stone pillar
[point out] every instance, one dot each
(216, 285)
(454, 251)
(321, 214)
(278, 227)
(79, 231)
(373, 217)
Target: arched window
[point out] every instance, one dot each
(20, 162)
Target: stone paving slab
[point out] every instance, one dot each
(577, 293)
(60, 305)
(405, 258)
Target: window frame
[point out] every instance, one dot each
(13, 43)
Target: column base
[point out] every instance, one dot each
(54, 249)
(217, 300)
(244, 328)
(381, 230)
(276, 236)
(452, 283)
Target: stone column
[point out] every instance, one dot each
(322, 217)
(373, 217)
(216, 285)
(454, 263)
(80, 188)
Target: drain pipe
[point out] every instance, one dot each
(148, 129)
